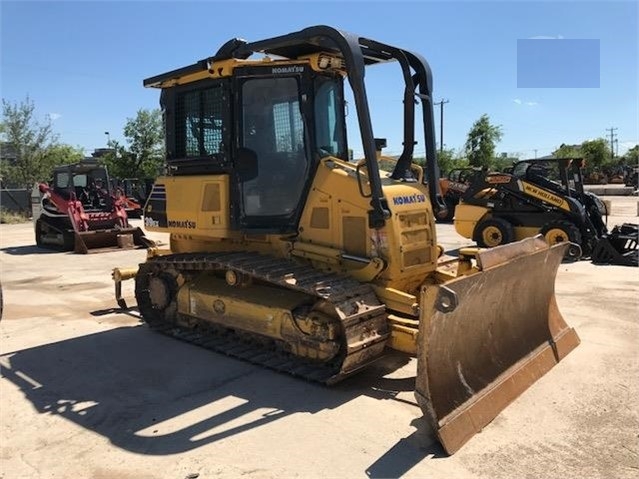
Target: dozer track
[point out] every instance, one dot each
(363, 319)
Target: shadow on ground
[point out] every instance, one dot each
(151, 394)
(28, 249)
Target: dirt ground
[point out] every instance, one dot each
(89, 392)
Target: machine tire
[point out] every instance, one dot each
(38, 234)
(559, 231)
(494, 232)
(68, 237)
(556, 232)
(69, 240)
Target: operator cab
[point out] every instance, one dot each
(84, 181)
(263, 142)
(292, 100)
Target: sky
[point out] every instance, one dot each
(83, 63)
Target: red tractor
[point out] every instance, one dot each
(135, 192)
(80, 211)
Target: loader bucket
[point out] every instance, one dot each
(485, 338)
(620, 246)
(110, 238)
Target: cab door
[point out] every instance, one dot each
(272, 136)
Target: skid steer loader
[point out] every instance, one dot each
(285, 254)
(79, 211)
(547, 197)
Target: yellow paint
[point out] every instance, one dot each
(545, 195)
(467, 217)
(399, 260)
(226, 68)
(522, 232)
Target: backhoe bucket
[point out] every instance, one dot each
(109, 238)
(488, 336)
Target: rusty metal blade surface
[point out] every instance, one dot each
(100, 239)
(487, 337)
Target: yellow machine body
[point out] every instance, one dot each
(469, 216)
(333, 231)
(360, 271)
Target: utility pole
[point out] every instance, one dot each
(441, 104)
(612, 141)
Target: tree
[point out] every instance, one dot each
(26, 144)
(567, 151)
(144, 155)
(63, 154)
(481, 141)
(505, 161)
(449, 159)
(632, 156)
(595, 152)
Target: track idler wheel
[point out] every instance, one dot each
(156, 292)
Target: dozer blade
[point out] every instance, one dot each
(101, 239)
(488, 336)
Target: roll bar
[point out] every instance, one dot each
(358, 52)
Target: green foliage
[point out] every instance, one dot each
(481, 142)
(387, 163)
(26, 145)
(567, 151)
(595, 152)
(503, 162)
(63, 154)
(12, 217)
(449, 159)
(143, 157)
(631, 157)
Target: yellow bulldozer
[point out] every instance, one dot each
(286, 254)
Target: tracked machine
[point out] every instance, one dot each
(285, 254)
(79, 211)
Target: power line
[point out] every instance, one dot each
(612, 141)
(441, 104)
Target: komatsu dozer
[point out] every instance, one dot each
(286, 254)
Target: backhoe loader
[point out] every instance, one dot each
(286, 254)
